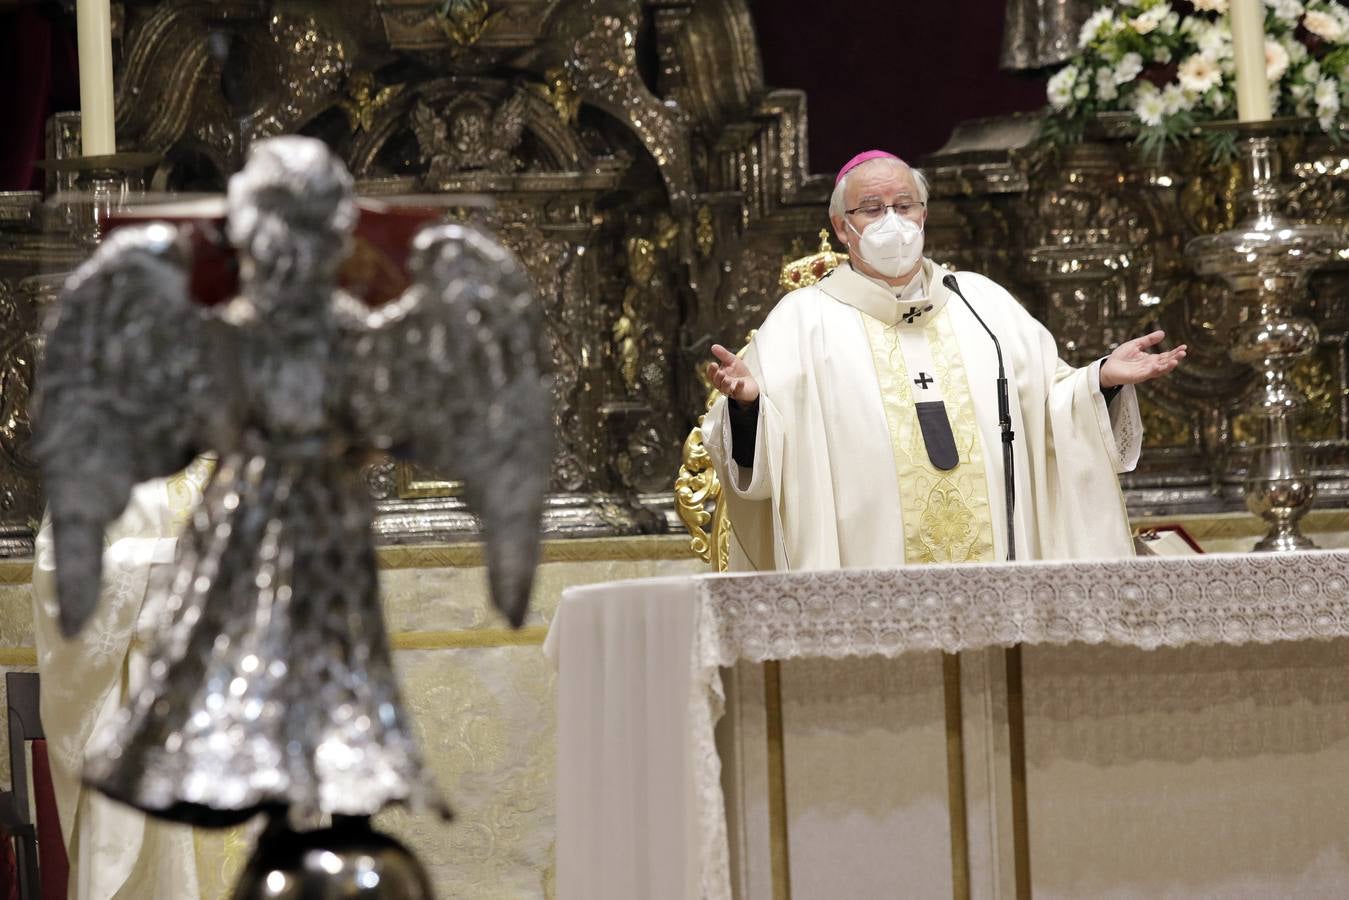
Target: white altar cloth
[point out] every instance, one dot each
(640, 812)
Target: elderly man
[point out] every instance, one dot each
(861, 426)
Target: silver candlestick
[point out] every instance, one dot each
(103, 185)
(1265, 260)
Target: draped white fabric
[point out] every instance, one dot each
(640, 811)
(628, 685)
(116, 853)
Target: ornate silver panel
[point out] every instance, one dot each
(653, 186)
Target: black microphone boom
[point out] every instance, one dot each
(1004, 421)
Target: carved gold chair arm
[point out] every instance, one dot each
(697, 486)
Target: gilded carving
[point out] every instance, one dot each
(556, 88)
(1161, 426)
(464, 21)
(1319, 191)
(626, 329)
(411, 482)
(752, 287)
(1316, 377)
(698, 493)
(1090, 254)
(282, 70)
(696, 489)
(706, 232)
(564, 279)
(16, 378)
(167, 63)
(469, 134)
(602, 36)
(312, 62)
(644, 335)
(508, 128)
(1209, 204)
(364, 98)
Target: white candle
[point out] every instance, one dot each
(94, 34)
(1248, 46)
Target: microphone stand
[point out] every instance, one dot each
(1004, 422)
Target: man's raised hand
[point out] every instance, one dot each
(1131, 363)
(731, 376)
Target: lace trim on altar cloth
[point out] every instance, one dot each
(1148, 602)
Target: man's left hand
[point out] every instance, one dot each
(1131, 363)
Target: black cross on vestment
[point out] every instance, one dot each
(914, 312)
(923, 380)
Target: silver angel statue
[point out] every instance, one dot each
(271, 685)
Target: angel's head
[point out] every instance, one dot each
(291, 211)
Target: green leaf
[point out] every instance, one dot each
(1222, 145)
(1152, 139)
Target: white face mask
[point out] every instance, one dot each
(891, 246)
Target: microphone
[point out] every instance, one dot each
(1004, 420)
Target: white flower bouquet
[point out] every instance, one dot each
(1170, 63)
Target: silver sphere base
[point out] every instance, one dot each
(345, 862)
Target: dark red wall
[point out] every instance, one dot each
(38, 76)
(893, 75)
(890, 75)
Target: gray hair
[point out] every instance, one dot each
(836, 201)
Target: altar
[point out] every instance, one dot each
(1158, 727)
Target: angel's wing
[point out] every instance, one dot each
(114, 395)
(450, 375)
(508, 123)
(429, 129)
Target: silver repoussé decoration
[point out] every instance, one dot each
(271, 686)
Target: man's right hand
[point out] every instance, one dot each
(731, 376)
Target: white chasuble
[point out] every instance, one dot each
(825, 488)
(116, 852)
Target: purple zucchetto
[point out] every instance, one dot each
(865, 156)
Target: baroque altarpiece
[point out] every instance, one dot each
(654, 186)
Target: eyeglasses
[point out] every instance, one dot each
(909, 209)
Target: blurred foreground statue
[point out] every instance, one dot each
(270, 685)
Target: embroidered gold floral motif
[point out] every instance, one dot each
(946, 514)
(186, 487)
(947, 521)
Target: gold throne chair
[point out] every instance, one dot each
(697, 490)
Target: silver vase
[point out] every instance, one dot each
(1266, 260)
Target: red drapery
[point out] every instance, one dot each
(893, 76)
(39, 75)
(51, 849)
(896, 76)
